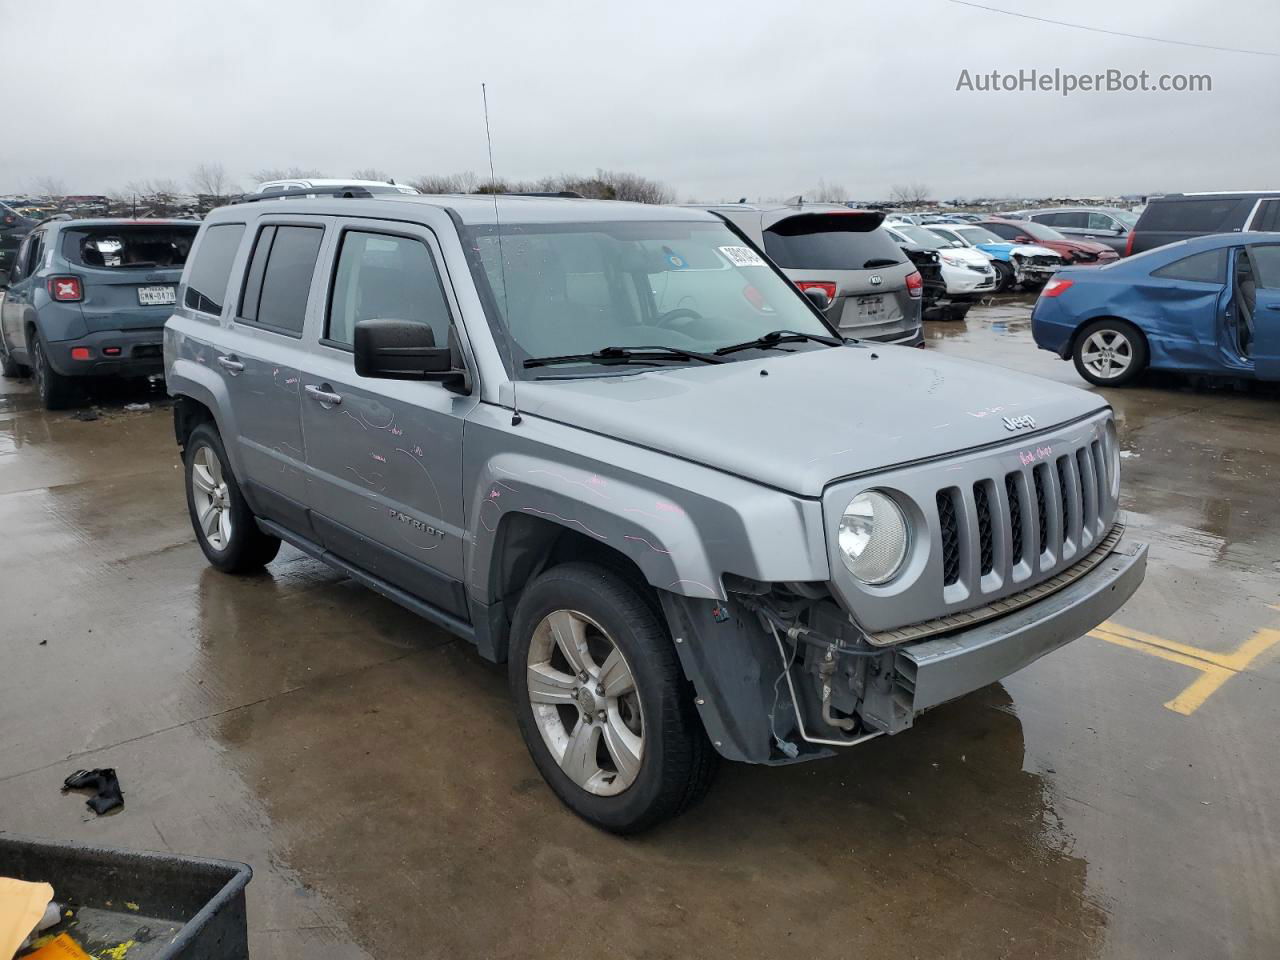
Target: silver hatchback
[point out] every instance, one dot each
(874, 291)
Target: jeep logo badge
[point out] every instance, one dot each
(876, 280)
(1019, 423)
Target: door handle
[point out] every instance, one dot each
(231, 365)
(323, 393)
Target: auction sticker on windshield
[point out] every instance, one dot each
(742, 256)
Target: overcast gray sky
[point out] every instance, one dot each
(717, 99)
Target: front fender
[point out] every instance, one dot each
(683, 525)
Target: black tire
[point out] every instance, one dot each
(1005, 274)
(56, 391)
(678, 761)
(247, 549)
(1124, 338)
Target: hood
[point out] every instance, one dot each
(1032, 250)
(1088, 248)
(968, 255)
(818, 416)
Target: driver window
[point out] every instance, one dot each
(383, 277)
(1100, 221)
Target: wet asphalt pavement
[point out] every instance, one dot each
(1120, 798)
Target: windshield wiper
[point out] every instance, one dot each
(775, 337)
(610, 355)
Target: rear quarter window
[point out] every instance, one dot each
(1207, 267)
(1195, 215)
(830, 242)
(211, 268)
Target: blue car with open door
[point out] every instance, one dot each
(1209, 305)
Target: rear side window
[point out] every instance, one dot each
(830, 242)
(1006, 230)
(382, 277)
(1207, 267)
(1266, 261)
(1199, 215)
(1267, 218)
(125, 246)
(211, 269)
(279, 278)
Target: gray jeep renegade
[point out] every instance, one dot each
(613, 446)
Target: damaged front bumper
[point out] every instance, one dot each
(763, 703)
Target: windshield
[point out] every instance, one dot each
(923, 236)
(576, 288)
(976, 235)
(1038, 231)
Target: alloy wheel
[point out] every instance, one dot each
(1107, 354)
(211, 497)
(585, 702)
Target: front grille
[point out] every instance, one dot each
(1015, 515)
(986, 544)
(1023, 524)
(1042, 515)
(950, 537)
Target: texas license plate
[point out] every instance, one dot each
(156, 296)
(870, 306)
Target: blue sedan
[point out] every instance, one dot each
(1210, 305)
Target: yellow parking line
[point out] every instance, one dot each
(1215, 668)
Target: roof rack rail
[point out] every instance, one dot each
(348, 192)
(55, 216)
(566, 194)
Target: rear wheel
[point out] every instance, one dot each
(56, 391)
(1110, 353)
(601, 700)
(225, 526)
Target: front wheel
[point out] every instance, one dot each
(1110, 353)
(1005, 277)
(224, 524)
(601, 700)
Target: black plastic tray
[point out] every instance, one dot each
(170, 906)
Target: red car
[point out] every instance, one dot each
(1077, 253)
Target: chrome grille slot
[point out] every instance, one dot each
(1088, 496)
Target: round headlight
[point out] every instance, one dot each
(873, 537)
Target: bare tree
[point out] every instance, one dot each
(909, 194)
(211, 179)
(445, 183)
(828, 192)
(286, 173)
(370, 173)
(49, 186)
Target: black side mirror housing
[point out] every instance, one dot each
(404, 350)
(818, 297)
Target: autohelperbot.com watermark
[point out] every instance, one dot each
(1065, 83)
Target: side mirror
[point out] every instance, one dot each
(403, 350)
(818, 297)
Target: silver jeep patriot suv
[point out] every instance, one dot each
(613, 446)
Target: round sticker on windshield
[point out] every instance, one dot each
(742, 256)
(675, 261)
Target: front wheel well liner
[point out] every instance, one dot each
(525, 546)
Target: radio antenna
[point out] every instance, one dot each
(502, 260)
